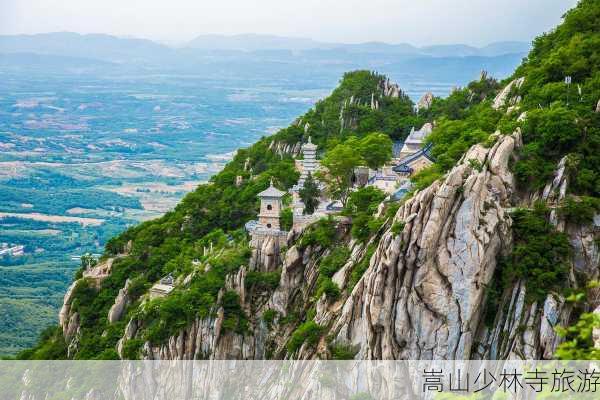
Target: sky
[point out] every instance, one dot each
(418, 22)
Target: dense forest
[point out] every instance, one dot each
(556, 120)
(50, 192)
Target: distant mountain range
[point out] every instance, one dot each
(116, 49)
(254, 42)
(93, 46)
(250, 56)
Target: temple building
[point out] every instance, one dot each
(414, 141)
(413, 156)
(415, 162)
(267, 238)
(270, 207)
(410, 157)
(268, 224)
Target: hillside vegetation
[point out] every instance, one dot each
(557, 121)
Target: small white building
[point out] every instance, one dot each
(163, 288)
(414, 141)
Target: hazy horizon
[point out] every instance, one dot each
(178, 43)
(471, 22)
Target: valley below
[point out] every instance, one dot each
(84, 157)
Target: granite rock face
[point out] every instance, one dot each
(504, 97)
(206, 338)
(121, 302)
(266, 255)
(425, 101)
(423, 294)
(282, 148)
(69, 320)
(389, 89)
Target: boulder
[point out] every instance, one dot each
(121, 302)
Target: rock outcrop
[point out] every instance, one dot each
(282, 148)
(121, 302)
(203, 340)
(265, 255)
(64, 314)
(389, 89)
(95, 275)
(503, 98)
(206, 338)
(422, 296)
(425, 101)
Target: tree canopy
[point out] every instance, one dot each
(375, 149)
(340, 163)
(309, 194)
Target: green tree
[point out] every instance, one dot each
(376, 149)
(340, 163)
(287, 219)
(364, 200)
(88, 261)
(309, 195)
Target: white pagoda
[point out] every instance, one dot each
(309, 163)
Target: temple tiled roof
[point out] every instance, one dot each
(271, 191)
(403, 166)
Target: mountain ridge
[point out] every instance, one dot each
(58, 43)
(493, 254)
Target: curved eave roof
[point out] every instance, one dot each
(271, 191)
(404, 164)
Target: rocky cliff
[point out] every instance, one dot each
(423, 295)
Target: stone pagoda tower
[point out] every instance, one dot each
(309, 164)
(270, 208)
(267, 238)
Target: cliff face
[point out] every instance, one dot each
(423, 295)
